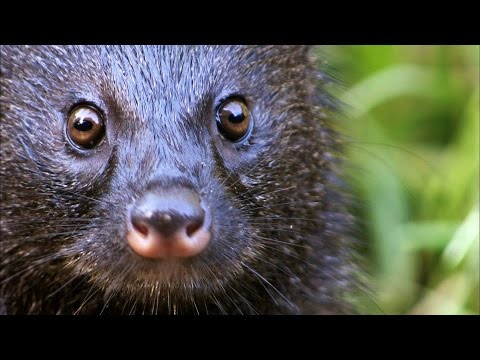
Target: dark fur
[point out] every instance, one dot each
(280, 241)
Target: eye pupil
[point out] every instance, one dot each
(83, 124)
(236, 118)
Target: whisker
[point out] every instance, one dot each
(274, 206)
(79, 195)
(245, 301)
(257, 193)
(224, 290)
(396, 147)
(266, 281)
(219, 305)
(35, 262)
(275, 241)
(90, 294)
(60, 288)
(50, 221)
(253, 167)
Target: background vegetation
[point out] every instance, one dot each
(412, 126)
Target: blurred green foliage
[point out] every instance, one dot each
(412, 127)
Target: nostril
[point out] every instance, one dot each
(192, 228)
(140, 227)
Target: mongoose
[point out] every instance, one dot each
(170, 180)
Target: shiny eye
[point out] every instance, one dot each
(85, 127)
(234, 120)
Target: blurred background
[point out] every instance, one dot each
(411, 123)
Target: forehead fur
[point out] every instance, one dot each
(133, 70)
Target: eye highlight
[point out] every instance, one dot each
(234, 120)
(85, 126)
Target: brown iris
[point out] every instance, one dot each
(233, 119)
(85, 126)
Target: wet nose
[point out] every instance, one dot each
(167, 224)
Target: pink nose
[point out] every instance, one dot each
(168, 224)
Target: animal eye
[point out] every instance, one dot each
(85, 127)
(234, 120)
